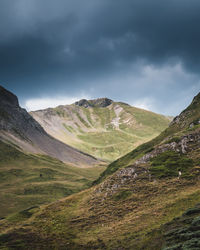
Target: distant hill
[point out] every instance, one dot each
(101, 127)
(19, 128)
(148, 199)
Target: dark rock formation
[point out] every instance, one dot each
(100, 102)
(8, 98)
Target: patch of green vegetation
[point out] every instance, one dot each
(174, 139)
(122, 195)
(107, 145)
(23, 215)
(169, 163)
(69, 128)
(146, 118)
(55, 189)
(193, 128)
(88, 115)
(104, 115)
(59, 111)
(8, 152)
(183, 232)
(82, 120)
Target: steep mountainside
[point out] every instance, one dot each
(18, 127)
(101, 127)
(145, 200)
(177, 138)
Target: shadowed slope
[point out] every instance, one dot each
(18, 127)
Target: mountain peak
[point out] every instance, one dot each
(99, 102)
(196, 100)
(190, 116)
(6, 97)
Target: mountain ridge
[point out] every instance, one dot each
(101, 127)
(99, 102)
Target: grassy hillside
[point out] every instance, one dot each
(106, 132)
(27, 180)
(185, 123)
(129, 218)
(138, 203)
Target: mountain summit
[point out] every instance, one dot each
(190, 116)
(100, 102)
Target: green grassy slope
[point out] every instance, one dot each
(27, 180)
(104, 132)
(186, 122)
(130, 218)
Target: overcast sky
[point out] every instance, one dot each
(143, 52)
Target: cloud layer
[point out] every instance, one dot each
(128, 50)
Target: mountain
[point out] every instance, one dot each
(19, 128)
(101, 127)
(147, 199)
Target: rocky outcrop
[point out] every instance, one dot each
(189, 116)
(140, 168)
(100, 102)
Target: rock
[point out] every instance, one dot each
(8, 98)
(100, 102)
(84, 103)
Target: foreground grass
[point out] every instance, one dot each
(90, 220)
(29, 180)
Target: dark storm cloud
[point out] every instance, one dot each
(79, 42)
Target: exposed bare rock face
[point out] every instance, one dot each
(18, 127)
(100, 102)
